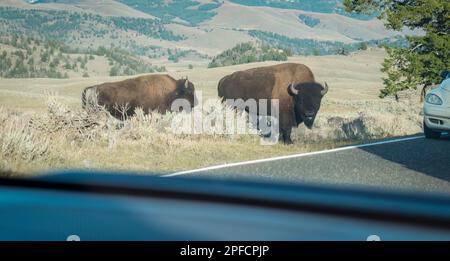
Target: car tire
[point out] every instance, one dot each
(429, 133)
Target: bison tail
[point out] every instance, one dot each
(89, 97)
(83, 99)
(220, 89)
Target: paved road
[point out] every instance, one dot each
(418, 164)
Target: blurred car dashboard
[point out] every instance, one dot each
(103, 206)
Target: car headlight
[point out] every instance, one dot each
(433, 99)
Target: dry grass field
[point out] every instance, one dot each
(42, 125)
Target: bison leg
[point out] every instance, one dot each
(285, 126)
(286, 136)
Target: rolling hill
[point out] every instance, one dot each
(204, 28)
(101, 7)
(330, 26)
(26, 57)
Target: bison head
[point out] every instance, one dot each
(307, 99)
(185, 90)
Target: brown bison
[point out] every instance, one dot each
(150, 92)
(292, 84)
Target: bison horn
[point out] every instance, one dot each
(292, 89)
(324, 89)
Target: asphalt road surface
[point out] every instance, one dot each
(417, 164)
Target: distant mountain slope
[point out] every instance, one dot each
(209, 40)
(101, 7)
(249, 53)
(150, 28)
(281, 21)
(352, 28)
(188, 11)
(142, 37)
(25, 57)
(313, 47)
(291, 23)
(318, 6)
(290, 18)
(69, 26)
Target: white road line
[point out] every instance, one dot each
(289, 156)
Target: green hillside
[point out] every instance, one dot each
(190, 11)
(26, 57)
(314, 47)
(64, 25)
(319, 6)
(249, 53)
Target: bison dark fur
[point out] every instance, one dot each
(149, 92)
(292, 84)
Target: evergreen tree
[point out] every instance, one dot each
(113, 71)
(422, 62)
(363, 46)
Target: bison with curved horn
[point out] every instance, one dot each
(149, 92)
(294, 86)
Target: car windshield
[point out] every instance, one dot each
(273, 91)
(446, 84)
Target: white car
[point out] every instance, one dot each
(436, 110)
